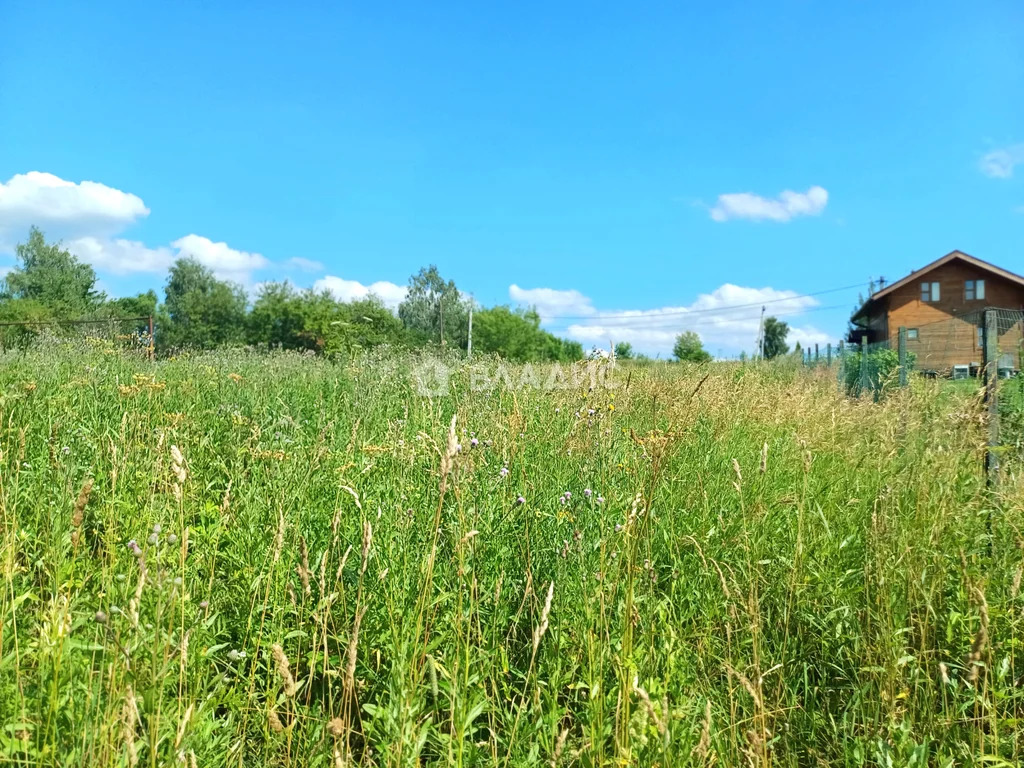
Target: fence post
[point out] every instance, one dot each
(902, 347)
(152, 342)
(828, 355)
(816, 358)
(863, 363)
(990, 342)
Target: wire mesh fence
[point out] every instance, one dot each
(980, 351)
(128, 334)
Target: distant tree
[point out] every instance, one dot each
(52, 279)
(775, 333)
(743, 357)
(515, 334)
(429, 300)
(624, 350)
(199, 310)
(688, 347)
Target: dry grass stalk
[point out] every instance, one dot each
(303, 567)
(341, 565)
(704, 744)
(129, 720)
(78, 514)
(353, 644)
(283, 670)
(559, 747)
(182, 726)
(279, 535)
(649, 706)
(367, 541)
(273, 721)
(538, 633)
(980, 639)
(448, 457)
(764, 458)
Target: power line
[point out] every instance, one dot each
(644, 313)
(632, 322)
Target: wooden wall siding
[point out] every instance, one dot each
(945, 340)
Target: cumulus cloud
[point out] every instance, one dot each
(64, 208)
(999, 163)
(726, 319)
(124, 257)
(788, 205)
(305, 265)
(551, 302)
(89, 216)
(351, 290)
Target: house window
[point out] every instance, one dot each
(930, 292)
(912, 334)
(974, 290)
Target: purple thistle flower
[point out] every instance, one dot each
(474, 443)
(587, 492)
(561, 499)
(504, 472)
(520, 500)
(568, 495)
(590, 412)
(600, 500)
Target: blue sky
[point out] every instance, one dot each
(572, 155)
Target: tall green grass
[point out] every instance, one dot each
(327, 572)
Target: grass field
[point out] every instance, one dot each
(251, 560)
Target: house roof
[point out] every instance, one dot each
(916, 274)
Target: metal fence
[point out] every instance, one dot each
(984, 350)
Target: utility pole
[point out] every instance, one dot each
(440, 310)
(469, 344)
(760, 335)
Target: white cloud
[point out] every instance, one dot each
(551, 302)
(119, 256)
(999, 163)
(122, 257)
(226, 262)
(788, 205)
(726, 319)
(64, 208)
(350, 290)
(305, 265)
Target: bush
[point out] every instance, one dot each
(882, 370)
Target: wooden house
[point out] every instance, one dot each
(941, 306)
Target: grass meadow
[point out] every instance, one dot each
(246, 560)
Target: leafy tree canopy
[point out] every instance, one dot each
(429, 299)
(775, 333)
(688, 347)
(199, 310)
(52, 278)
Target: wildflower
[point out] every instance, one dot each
(26, 465)
(172, 539)
(474, 443)
(157, 528)
(568, 495)
(234, 655)
(590, 412)
(611, 407)
(65, 450)
(204, 604)
(177, 581)
(100, 617)
(600, 499)
(618, 527)
(504, 472)
(153, 539)
(520, 500)
(587, 492)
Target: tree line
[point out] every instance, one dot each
(200, 311)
